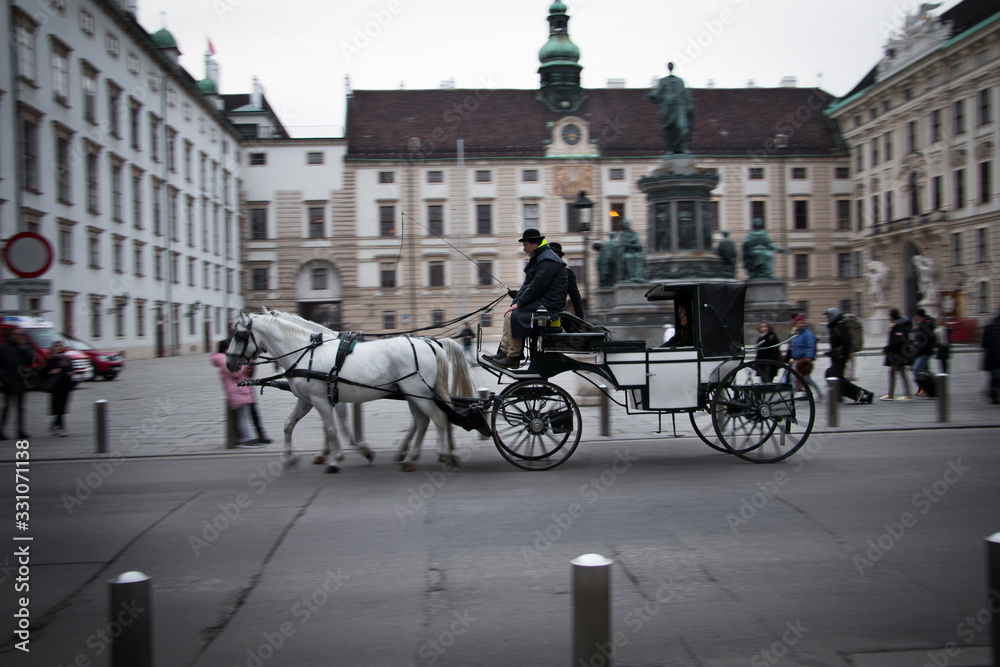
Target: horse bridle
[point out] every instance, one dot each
(245, 336)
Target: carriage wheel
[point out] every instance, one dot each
(759, 421)
(536, 425)
(703, 423)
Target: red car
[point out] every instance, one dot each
(106, 364)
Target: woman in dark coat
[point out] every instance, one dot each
(768, 350)
(16, 357)
(57, 374)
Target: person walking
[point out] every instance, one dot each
(840, 351)
(258, 425)
(991, 362)
(943, 335)
(768, 349)
(898, 352)
(238, 398)
(925, 341)
(16, 358)
(804, 354)
(57, 379)
(467, 336)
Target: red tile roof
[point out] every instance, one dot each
(512, 123)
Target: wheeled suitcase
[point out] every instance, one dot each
(927, 383)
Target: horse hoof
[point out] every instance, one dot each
(448, 459)
(291, 462)
(408, 467)
(398, 458)
(332, 470)
(319, 460)
(369, 455)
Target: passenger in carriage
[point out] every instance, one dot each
(572, 291)
(683, 334)
(544, 286)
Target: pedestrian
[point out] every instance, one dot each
(16, 359)
(768, 349)
(991, 363)
(238, 398)
(254, 414)
(943, 335)
(572, 289)
(925, 341)
(544, 286)
(898, 351)
(804, 354)
(787, 357)
(467, 336)
(840, 350)
(57, 379)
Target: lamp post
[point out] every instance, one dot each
(585, 210)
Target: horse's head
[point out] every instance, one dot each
(243, 347)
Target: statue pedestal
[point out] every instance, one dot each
(931, 306)
(876, 325)
(624, 309)
(766, 301)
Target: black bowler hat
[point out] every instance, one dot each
(557, 247)
(531, 236)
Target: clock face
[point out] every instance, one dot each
(571, 134)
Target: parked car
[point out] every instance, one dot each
(41, 335)
(106, 364)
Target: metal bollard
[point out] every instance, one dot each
(941, 390)
(833, 400)
(130, 620)
(101, 426)
(605, 411)
(232, 438)
(359, 427)
(993, 594)
(592, 610)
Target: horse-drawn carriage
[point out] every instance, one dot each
(760, 411)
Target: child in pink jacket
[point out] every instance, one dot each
(239, 397)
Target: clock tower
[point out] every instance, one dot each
(560, 68)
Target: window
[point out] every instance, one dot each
(530, 211)
(483, 176)
(157, 209)
(844, 214)
(799, 173)
(258, 159)
(907, 94)
(29, 154)
(889, 205)
(387, 177)
(985, 191)
(875, 208)
(985, 109)
(189, 209)
(138, 265)
(435, 177)
(887, 143)
(258, 279)
(935, 125)
(94, 250)
(173, 229)
(983, 297)
(172, 149)
(117, 208)
(572, 218)
(484, 273)
(96, 322)
(758, 212)
(982, 57)
(60, 72)
(64, 170)
(486, 319)
(158, 263)
(92, 168)
(154, 137)
(134, 115)
(958, 117)
(387, 220)
(959, 189)
(617, 214)
(317, 223)
(937, 193)
(187, 160)
(911, 136)
(314, 158)
(435, 219)
(65, 240)
(859, 214)
(484, 219)
(874, 151)
(801, 266)
(530, 176)
(388, 319)
(956, 249)
(617, 174)
(140, 319)
(175, 271)
(258, 223)
(89, 82)
(86, 23)
(118, 254)
(982, 246)
(112, 45)
(436, 273)
(132, 63)
(801, 214)
(114, 109)
(845, 265)
(319, 279)
(857, 121)
(137, 199)
(437, 318)
(756, 173)
(24, 44)
(387, 275)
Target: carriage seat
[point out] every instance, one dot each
(574, 334)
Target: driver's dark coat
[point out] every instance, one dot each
(545, 284)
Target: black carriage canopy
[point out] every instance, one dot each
(719, 323)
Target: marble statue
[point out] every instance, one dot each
(927, 277)
(878, 278)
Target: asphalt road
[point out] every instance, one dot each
(863, 549)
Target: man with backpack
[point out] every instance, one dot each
(840, 350)
(925, 341)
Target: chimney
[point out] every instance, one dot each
(448, 84)
(256, 94)
(129, 6)
(788, 82)
(710, 83)
(751, 84)
(616, 83)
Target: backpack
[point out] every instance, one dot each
(857, 330)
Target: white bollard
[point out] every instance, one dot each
(592, 610)
(833, 401)
(130, 620)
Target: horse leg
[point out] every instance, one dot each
(336, 456)
(301, 409)
(341, 410)
(420, 423)
(446, 445)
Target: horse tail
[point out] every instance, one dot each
(461, 383)
(443, 370)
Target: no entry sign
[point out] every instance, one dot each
(28, 254)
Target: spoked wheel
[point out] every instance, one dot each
(704, 425)
(536, 425)
(763, 411)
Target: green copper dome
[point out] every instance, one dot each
(208, 87)
(163, 39)
(557, 7)
(559, 47)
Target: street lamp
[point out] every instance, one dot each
(585, 210)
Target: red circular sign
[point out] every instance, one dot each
(28, 254)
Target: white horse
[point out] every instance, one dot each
(416, 369)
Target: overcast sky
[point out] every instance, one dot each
(302, 49)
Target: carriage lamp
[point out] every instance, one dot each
(585, 210)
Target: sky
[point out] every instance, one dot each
(302, 50)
